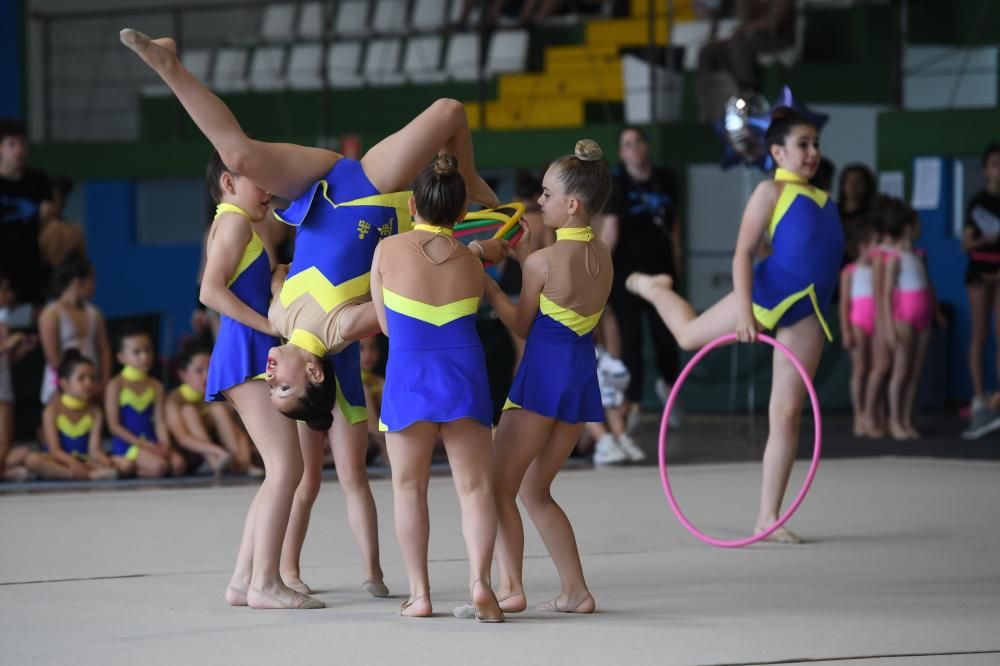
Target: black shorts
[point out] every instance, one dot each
(981, 272)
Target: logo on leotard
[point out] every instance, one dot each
(363, 229)
(385, 230)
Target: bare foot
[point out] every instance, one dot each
(643, 284)
(160, 54)
(780, 535)
(418, 607)
(876, 432)
(898, 432)
(911, 431)
(294, 582)
(283, 598)
(860, 427)
(236, 596)
(485, 603)
(481, 193)
(564, 604)
(515, 602)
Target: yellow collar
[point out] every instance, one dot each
(133, 374)
(191, 395)
(585, 234)
(306, 341)
(788, 176)
(435, 229)
(72, 402)
(231, 208)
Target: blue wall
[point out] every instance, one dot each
(135, 279)
(11, 61)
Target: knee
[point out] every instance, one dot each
(126, 468)
(787, 416)
(156, 469)
(308, 489)
(353, 478)
(478, 486)
(450, 108)
(535, 498)
(686, 341)
(33, 462)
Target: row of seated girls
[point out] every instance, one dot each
(888, 305)
(154, 433)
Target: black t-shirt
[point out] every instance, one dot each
(647, 213)
(982, 216)
(20, 204)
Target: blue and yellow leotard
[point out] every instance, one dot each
(135, 413)
(339, 221)
(436, 368)
(800, 276)
(240, 352)
(74, 436)
(558, 372)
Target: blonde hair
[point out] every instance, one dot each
(586, 175)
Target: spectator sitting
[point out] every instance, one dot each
(204, 431)
(25, 197)
(12, 346)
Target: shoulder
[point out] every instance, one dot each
(51, 410)
(156, 384)
(537, 263)
(49, 312)
(231, 226)
(96, 412)
(767, 192)
(114, 384)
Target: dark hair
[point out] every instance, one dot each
(439, 191)
(783, 120)
(12, 127)
(74, 267)
(994, 147)
(68, 362)
(866, 175)
(315, 408)
(213, 172)
(130, 330)
(632, 128)
(188, 351)
(62, 185)
(527, 186)
(896, 215)
(585, 174)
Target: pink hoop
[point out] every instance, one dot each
(675, 391)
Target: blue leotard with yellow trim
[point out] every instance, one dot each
(135, 413)
(74, 436)
(339, 221)
(801, 275)
(557, 376)
(436, 369)
(240, 352)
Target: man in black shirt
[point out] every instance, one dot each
(642, 230)
(24, 196)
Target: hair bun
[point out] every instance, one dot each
(588, 150)
(445, 165)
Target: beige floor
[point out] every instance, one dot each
(904, 559)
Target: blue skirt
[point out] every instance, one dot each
(436, 385)
(239, 355)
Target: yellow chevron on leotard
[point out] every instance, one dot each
(769, 317)
(74, 429)
(576, 322)
(398, 200)
(438, 315)
(137, 401)
(795, 186)
(510, 404)
(312, 282)
(253, 250)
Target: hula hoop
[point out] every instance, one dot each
(818, 427)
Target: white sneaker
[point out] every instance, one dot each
(631, 449)
(607, 451)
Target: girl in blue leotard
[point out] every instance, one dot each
(788, 291)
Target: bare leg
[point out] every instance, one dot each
(350, 447)
(859, 372)
(902, 368)
(231, 436)
(282, 168)
(151, 466)
(394, 162)
(11, 469)
(311, 443)
(410, 451)
(216, 456)
(690, 330)
(805, 340)
(921, 342)
(278, 445)
(470, 455)
(239, 584)
(880, 366)
(520, 437)
(980, 297)
(553, 525)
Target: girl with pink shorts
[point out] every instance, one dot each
(858, 314)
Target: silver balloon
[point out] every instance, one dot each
(744, 122)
